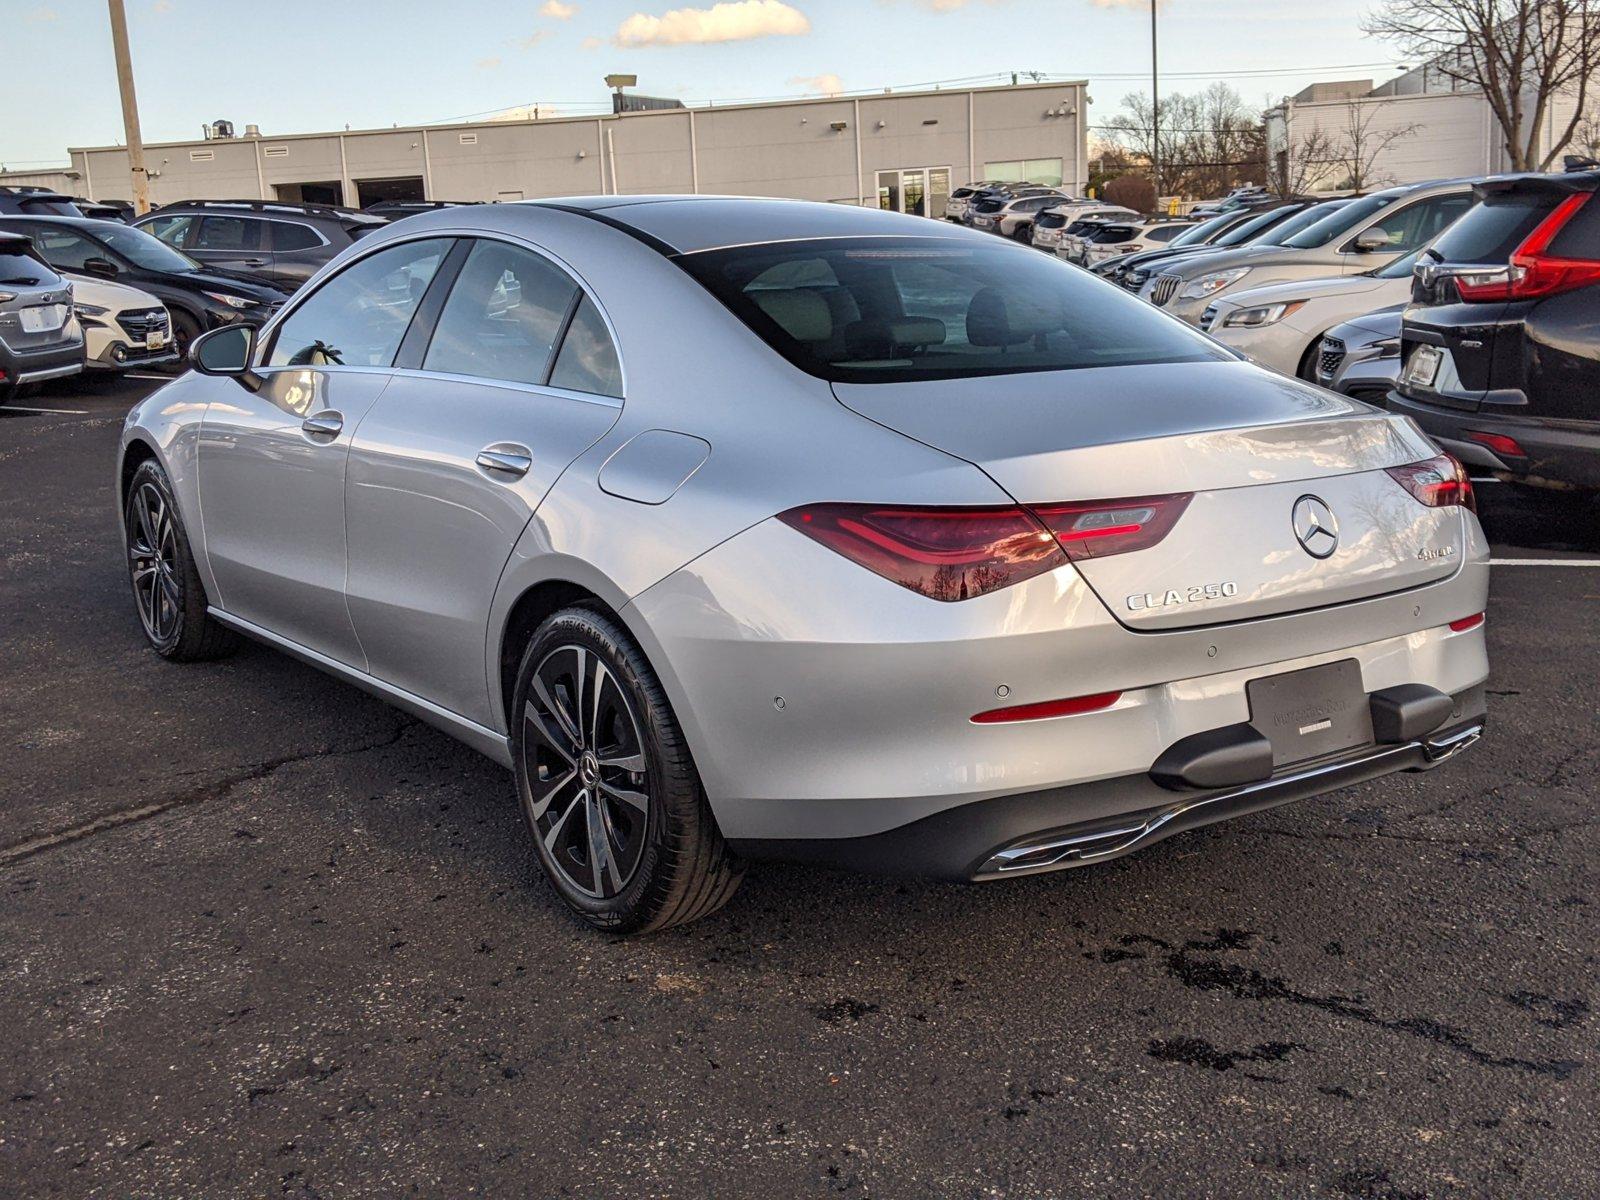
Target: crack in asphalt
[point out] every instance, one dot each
(122, 817)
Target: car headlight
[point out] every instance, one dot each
(89, 310)
(1210, 285)
(1388, 348)
(231, 301)
(1261, 314)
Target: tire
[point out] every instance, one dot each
(1023, 234)
(660, 859)
(168, 596)
(1308, 360)
(185, 329)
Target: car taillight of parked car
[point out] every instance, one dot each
(1440, 482)
(1533, 271)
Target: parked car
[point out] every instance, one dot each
(39, 337)
(1280, 325)
(1245, 226)
(1361, 236)
(1247, 196)
(276, 241)
(1012, 216)
(122, 326)
(22, 200)
(1063, 223)
(394, 210)
(103, 210)
(904, 616)
(1361, 358)
(197, 298)
(1502, 353)
(955, 207)
(1114, 238)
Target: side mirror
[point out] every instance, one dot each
(1371, 241)
(102, 268)
(226, 351)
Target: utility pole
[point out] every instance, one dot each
(1155, 109)
(130, 107)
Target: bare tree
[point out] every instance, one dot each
(1302, 164)
(1210, 140)
(1522, 54)
(1363, 140)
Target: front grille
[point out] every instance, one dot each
(140, 323)
(1207, 318)
(1329, 355)
(1166, 289)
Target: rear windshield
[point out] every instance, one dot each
(23, 270)
(1493, 228)
(1337, 223)
(890, 310)
(1111, 234)
(49, 206)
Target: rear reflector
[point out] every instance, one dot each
(1047, 708)
(1436, 482)
(958, 553)
(1462, 624)
(1533, 271)
(1498, 442)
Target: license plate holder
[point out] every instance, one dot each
(155, 341)
(1423, 367)
(43, 318)
(1311, 713)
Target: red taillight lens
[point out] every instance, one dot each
(944, 553)
(1532, 271)
(1507, 447)
(1462, 624)
(958, 553)
(1095, 529)
(1436, 482)
(1047, 708)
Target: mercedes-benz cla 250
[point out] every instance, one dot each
(757, 528)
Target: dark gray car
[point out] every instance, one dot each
(39, 337)
(276, 241)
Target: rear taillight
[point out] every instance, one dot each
(958, 553)
(1533, 271)
(1436, 482)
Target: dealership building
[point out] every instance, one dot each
(899, 150)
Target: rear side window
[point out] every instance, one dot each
(883, 310)
(588, 359)
(1492, 229)
(358, 318)
(1164, 233)
(64, 247)
(291, 235)
(504, 315)
(227, 233)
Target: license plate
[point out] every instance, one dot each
(155, 340)
(1312, 712)
(42, 318)
(1423, 368)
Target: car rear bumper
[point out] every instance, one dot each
(823, 702)
(36, 366)
(1558, 453)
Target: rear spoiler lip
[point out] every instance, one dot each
(1577, 181)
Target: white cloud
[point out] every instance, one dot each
(591, 43)
(733, 21)
(558, 10)
(162, 6)
(42, 14)
(488, 64)
(826, 84)
(533, 39)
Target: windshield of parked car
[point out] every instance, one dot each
(1400, 268)
(1202, 232)
(887, 310)
(1244, 232)
(1341, 222)
(142, 250)
(1277, 235)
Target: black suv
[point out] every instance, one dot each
(198, 299)
(277, 241)
(36, 202)
(1501, 342)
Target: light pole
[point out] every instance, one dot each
(1155, 109)
(130, 107)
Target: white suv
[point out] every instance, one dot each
(1116, 238)
(122, 326)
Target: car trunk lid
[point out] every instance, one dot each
(1247, 447)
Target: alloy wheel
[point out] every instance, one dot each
(589, 800)
(153, 561)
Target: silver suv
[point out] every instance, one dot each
(1363, 235)
(39, 336)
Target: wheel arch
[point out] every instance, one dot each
(136, 450)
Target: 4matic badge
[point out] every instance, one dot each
(1198, 594)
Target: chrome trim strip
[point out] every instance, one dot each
(50, 373)
(1087, 847)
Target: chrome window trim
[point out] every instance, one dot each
(268, 332)
(451, 377)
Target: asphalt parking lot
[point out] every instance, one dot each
(264, 935)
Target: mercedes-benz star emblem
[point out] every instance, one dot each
(1315, 527)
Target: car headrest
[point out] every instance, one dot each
(888, 339)
(800, 312)
(996, 319)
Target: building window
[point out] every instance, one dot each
(920, 191)
(1045, 171)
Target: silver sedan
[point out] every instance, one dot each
(756, 528)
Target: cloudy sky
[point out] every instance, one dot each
(303, 65)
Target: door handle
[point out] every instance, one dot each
(505, 458)
(255, 262)
(323, 426)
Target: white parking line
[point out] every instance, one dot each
(1544, 562)
(66, 412)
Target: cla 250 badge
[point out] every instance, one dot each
(1175, 596)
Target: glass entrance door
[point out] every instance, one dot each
(919, 191)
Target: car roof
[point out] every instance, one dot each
(89, 223)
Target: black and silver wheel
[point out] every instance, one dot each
(167, 592)
(608, 789)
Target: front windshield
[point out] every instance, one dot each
(891, 310)
(1243, 233)
(1338, 223)
(1400, 267)
(1201, 232)
(142, 250)
(1278, 235)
